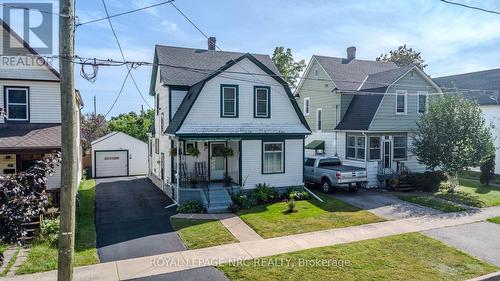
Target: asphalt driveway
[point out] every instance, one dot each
(131, 220)
(383, 204)
(480, 239)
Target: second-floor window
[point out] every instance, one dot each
(162, 122)
(157, 146)
(422, 102)
(229, 101)
(17, 103)
(262, 102)
(400, 102)
(307, 106)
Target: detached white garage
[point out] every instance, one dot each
(117, 155)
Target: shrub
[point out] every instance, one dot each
(191, 207)
(242, 201)
(290, 204)
(487, 171)
(427, 181)
(49, 230)
(265, 193)
(23, 197)
(298, 194)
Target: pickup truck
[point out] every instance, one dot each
(329, 172)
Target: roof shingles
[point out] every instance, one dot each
(30, 136)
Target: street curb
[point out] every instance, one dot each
(495, 276)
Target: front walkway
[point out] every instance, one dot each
(178, 261)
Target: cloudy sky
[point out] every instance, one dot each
(452, 39)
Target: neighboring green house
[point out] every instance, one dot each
(364, 111)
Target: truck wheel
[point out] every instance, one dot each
(326, 186)
(355, 188)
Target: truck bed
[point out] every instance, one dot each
(342, 168)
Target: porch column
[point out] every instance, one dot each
(177, 178)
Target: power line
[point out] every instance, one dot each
(122, 54)
(125, 13)
(470, 7)
(119, 93)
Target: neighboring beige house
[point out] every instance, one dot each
(365, 112)
(209, 103)
(484, 88)
(30, 123)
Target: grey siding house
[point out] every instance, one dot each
(364, 112)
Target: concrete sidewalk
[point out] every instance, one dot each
(173, 262)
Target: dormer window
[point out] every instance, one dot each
(229, 101)
(17, 103)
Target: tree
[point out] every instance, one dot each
(287, 66)
(92, 127)
(488, 170)
(23, 197)
(403, 56)
(452, 136)
(136, 125)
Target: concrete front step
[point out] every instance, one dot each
(217, 210)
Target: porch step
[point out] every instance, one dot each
(219, 200)
(217, 210)
(404, 186)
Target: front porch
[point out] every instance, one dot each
(209, 171)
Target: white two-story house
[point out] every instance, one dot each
(30, 105)
(224, 121)
(365, 112)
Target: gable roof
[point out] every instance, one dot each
(481, 86)
(187, 66)
(384, 79)
(193, 93)
(349, 74)
(28, 47)
(113, 134)
(361, 110)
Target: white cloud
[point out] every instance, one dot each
(169, 26)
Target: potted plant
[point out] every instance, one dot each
(193, 151)
(227, 152)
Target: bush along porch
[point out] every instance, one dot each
(218, 136)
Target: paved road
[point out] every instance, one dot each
(131, 220)
(383, 204)
(197, 274)
(480, 239)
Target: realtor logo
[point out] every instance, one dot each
(33, 23)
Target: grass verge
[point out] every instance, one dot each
(411, 256)
(202, 233)
(272, 220)
(495, 220)
(43, 256)
(434, 203)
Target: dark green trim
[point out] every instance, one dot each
(243, 136)
(303, 158)
(171, 163)
(255, 88)
(283, 141)
(240, 161)
(237, 100)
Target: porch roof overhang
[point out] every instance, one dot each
(208, 138)
(316, 144)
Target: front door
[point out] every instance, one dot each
(387, 154)
(217, 161)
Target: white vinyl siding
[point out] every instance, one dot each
(252, 163)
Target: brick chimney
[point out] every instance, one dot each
(351, 53)
(211, 43)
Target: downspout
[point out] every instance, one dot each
(177, 177)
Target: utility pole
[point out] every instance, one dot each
(69, 144)
(94, 106)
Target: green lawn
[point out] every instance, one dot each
(43, 256)
(495, 220)
(272, 220)
(402, 257)
(471, 192)
(202, 233)
(432, 202)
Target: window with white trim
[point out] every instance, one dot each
(262, 105)
(229, 101)
(422, 102)
(399, 147)
(162, 122)
(401, 102)
(355, 147)
(17, 103)
(374, 148)
(273, 157)
(157, 145)
(307, 106)
(319, 119)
